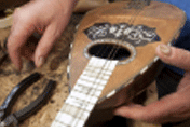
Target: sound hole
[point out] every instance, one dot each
(109, 51)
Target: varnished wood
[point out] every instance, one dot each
(167, 19)
(86, 5)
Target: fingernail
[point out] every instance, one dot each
(166, 50)
(40, 61)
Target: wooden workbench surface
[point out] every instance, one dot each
(54, 68)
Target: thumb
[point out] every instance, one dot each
(161, 111)
(174, 56)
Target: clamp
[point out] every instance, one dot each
(12, 120)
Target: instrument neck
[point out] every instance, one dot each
(97, 71)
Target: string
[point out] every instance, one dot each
(98, 76)
(139, 7)
(106, 63)
(133, 4)
(131, 21)
(130, 6)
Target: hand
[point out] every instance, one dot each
(171, 108)
(47, 17)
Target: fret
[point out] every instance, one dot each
(90, 85)
(85, 93)
(88, 90)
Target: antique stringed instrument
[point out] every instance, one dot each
(86, 5)
(113, 56)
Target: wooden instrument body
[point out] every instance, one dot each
(127, 79)
(86, 5)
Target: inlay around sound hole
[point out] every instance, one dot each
(110, 52)
(111, 49)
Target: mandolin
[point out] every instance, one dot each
(86, 5)
(113, 57)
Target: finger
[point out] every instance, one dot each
(184, 81)
(20, 31)
(28, 54)
(46, 44)
(174, 56)
(16, 42)
(158, 112)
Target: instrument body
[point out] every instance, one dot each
(134, 33)
(127, 79)
(86, 5)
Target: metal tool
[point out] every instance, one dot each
(13, 119)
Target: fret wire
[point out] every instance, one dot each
(82, 103)
(107, 72)
(104, 64)
(99, 76)
(106, 75)
(92, 78)
(97, 72)
(88, 90)
(83, 100)
(93, 83)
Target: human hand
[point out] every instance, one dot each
(171, 108)
(49, 18)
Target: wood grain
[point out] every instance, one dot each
(167, 21)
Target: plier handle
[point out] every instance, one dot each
(13, 119)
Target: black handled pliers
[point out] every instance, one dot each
(13, 119)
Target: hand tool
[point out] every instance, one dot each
(13, 119)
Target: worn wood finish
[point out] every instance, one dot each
(86, 5)
(84, 95)
(167, 20)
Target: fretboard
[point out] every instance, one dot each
(85, 93)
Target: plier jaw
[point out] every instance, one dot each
(10, 121)
(2, 113)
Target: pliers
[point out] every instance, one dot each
(13, 119)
